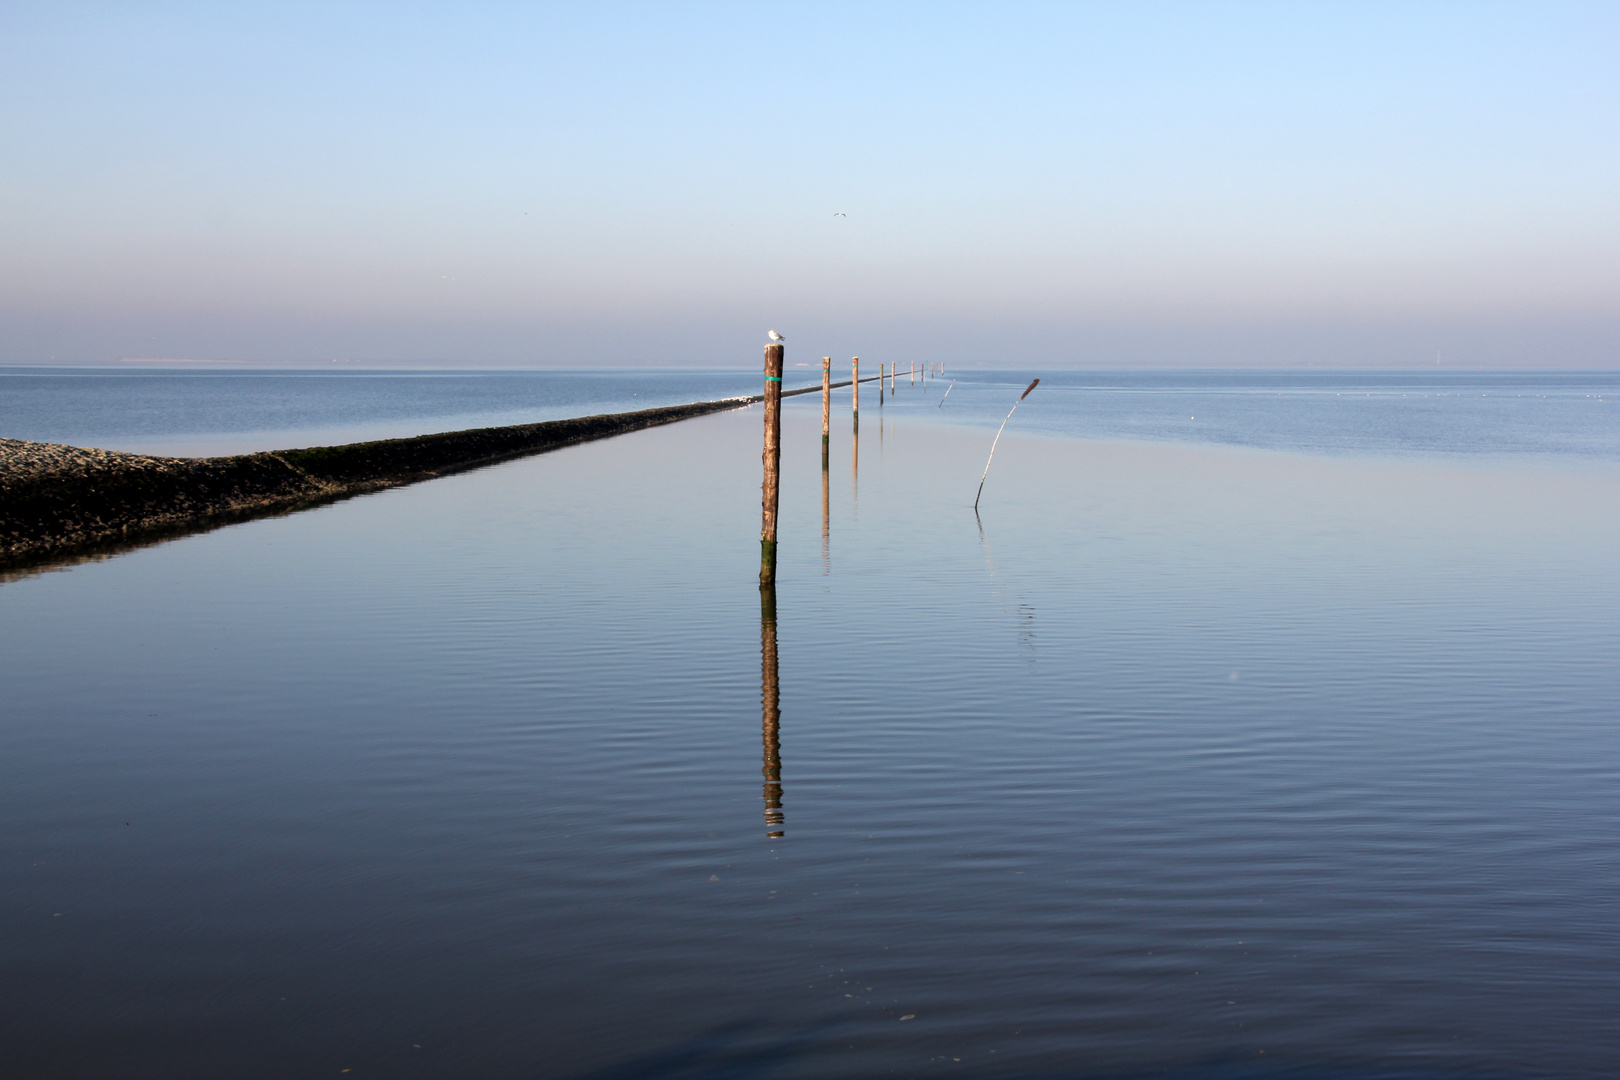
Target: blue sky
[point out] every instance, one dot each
(1258, 184)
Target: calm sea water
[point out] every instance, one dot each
(1281, 746)
(1363, 413)
(192, 413)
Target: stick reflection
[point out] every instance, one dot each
(1023, 614)
(855, 471)
(826, 521)
(771, 712)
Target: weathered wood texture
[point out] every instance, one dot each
(770, 489)
(826, 406)
(826, 396)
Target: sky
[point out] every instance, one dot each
(1111, 185)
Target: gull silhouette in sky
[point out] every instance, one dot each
(774, 336)
(839, 213)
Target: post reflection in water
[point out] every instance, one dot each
(826, 520)
(855, 472)
(771, 712)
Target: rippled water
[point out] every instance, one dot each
(1194, 760)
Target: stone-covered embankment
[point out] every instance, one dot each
(57, 502)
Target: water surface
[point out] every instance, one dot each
(1192, 760)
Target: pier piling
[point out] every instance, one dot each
(772, 456)
(826, 406)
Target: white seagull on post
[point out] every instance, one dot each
(776, 338)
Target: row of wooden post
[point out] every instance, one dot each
(770, 692)
(770, 490)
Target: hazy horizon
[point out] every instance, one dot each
(1165, 185)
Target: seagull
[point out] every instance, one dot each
(774, 336)
(839, 213)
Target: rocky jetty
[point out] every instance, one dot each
(60, 503)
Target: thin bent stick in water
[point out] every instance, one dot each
(941, 404)
(999, 430)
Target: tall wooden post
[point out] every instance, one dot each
(855, 390)
(914, 373)
(769, 490)
(892, 369)
(880, 387)
(826, 406)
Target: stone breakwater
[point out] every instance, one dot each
(58, 502)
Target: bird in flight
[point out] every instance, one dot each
(839, 213)
(774, 336)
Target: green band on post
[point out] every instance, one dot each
(773, 378)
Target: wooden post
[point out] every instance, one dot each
(769, 490)
(892, 369)
(855, 390)
(914, 373)
(826, 405)
(880, 387)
